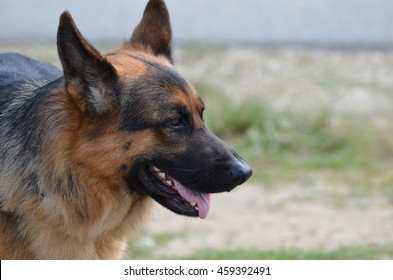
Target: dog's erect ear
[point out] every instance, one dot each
(154, 32)
(89, 78)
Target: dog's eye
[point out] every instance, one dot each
(176, 122)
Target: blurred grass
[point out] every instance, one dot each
(345, 253)
(142, 250)
(284, 145)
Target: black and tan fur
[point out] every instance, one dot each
(77, 148)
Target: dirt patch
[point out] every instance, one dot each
(293, 217)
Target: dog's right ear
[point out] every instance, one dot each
(89, 77)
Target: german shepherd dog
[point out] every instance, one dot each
(83, 151)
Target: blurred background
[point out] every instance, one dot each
(302, 89)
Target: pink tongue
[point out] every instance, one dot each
(202, 199)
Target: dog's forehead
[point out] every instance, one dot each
(146, 76)
(132, 64)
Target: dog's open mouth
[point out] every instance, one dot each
(173, 195)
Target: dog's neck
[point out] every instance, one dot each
(56, 185)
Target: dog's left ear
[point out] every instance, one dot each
(89, 77)
(154, 33)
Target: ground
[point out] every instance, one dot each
(289, 218)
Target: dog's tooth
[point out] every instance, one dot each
(194, 204)
(161, 174)
(169, 183)
(156, 169)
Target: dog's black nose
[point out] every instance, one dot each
(240, 172)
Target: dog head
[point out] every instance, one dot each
(141, 123)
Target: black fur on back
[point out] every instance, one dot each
(16, 70)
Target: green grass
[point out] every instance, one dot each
(344, 253)
(142, 249)
(147, 251)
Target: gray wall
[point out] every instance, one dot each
(303, 22)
